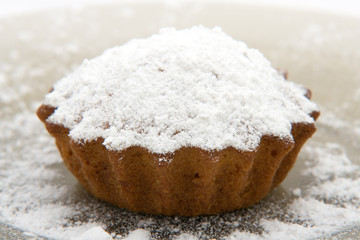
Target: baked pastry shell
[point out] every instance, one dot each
(192, 181)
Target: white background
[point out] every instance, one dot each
(343, 7)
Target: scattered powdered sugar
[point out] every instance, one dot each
(193, 87)
(138, 234)
(39, 195)
(32, 188)
(95, 233)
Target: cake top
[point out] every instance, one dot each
(195, 87)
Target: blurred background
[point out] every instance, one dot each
(345, 7)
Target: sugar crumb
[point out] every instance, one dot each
(95, 233)
(138, 234)
(297, 192)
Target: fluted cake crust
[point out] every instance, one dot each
(194, 181)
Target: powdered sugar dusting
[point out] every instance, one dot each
(37, 196)
(138, 234)
(95, 233)
(193, 87)
(329, 202)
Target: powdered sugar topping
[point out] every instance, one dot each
(193, 87)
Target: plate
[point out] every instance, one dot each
(319, 199)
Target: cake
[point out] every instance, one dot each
(185, 122)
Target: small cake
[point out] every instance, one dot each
(188, 122)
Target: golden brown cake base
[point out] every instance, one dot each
(194, 182)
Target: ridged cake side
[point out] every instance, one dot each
(190, 182)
